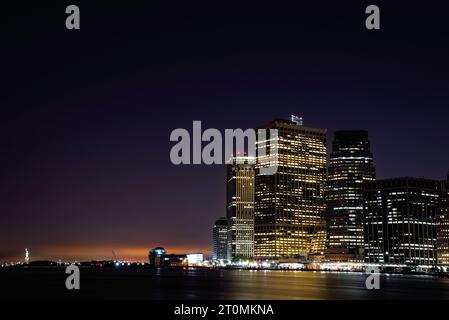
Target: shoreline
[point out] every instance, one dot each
(205, 269)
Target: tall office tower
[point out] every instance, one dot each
(399, 222)
(220, 239)
(350, 165)
(240, 207)
(443, 226)
(289, 204)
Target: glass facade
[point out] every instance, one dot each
(220, 239)
(400, 225)
(350, 165)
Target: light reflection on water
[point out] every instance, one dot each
(264, 284)
(145, 283)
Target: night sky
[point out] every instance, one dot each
(87, 115)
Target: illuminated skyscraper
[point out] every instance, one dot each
(350, 165)
(220, 239)
(240, 208)
(289, 205)
(443, 226)
(399, 221)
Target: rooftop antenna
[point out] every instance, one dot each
(297, 120)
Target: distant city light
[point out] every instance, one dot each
(195, 258)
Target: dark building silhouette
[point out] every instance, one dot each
(400, 226)
(155, 256)
(350, 165)
(158, 257)
(220, 239)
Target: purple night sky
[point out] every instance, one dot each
(87, 114)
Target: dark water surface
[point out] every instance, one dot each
(143, 283)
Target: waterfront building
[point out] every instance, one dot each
(240, 208)
(399, 225)
(220, 239)
(350, 165)
(289, 204)
(442, 222)
(159, 258)
(195, 258)
(155, 256)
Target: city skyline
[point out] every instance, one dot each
(88, 113)
(141, 253)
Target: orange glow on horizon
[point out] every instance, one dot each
(85, 253)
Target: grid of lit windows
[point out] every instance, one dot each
(289, 205)
(443, 226)
(240, 208)
(220, 239)
(400, 225)
(350, 165)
